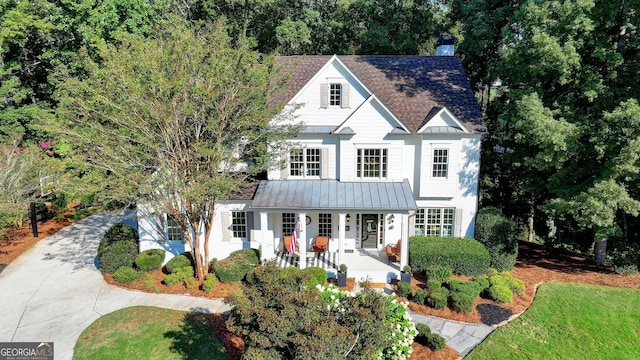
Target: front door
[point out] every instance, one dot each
(368, 231)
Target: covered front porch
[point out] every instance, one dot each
(359, 218)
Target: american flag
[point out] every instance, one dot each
(294, 238)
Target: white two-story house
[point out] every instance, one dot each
(389, 148)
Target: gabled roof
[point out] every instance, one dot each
(413, 88)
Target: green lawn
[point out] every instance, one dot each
(149, 333)
(570, 321)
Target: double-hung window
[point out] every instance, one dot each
(371, 163)
(288, 223)
(324, 225)
(335, 94)
(239, 224)
(434, 222)
(174, 231)
(440, 163)
(304, 162)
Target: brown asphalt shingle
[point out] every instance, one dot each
(409, 86)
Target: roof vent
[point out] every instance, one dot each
(445, 45)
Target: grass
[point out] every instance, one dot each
(149, 333)
(570, 321)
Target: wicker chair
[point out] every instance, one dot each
(393, 252)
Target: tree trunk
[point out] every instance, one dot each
(196, 253)
(600, 251)
(532, 232)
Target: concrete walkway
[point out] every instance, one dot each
(54, 291)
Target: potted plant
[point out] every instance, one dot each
(405, 275)
(342, 275)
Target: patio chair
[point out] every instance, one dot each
(393, 252)
(320, 245)
(287, 243)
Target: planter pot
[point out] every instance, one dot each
(405, 277)
(342, 279)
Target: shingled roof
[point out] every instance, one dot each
(409, 86)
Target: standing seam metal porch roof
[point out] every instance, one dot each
(334, 195)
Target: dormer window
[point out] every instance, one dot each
(334, 95)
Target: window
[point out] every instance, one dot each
(288, 223)
(438, 222)
(239, 224)
(440, 162)
(371, 163)
(304, 162)
(335, 94)
(419, 222)
(174, 231)
(324, 225)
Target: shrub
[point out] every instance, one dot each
(439, 273)
(462, 302)
(500, 293)
(497, 280)
(288, 272)
(431, 340)
(60, 201)
(150, 260)
(191, 283)
(126, 274)
(116, 255)
(116, 233)
(179, 276)
(465, 256)
(495, 231)
(403, 289)
(483, 281)
(516, 285)
(179, 261)
(438, 299)
(210, 282)
(433, 285)
(625, 258)
(316, 276)
(471, 288)
(234, 268)
(254, 353)
(420, 297)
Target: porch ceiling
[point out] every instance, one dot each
(334, 195)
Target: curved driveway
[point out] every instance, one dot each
(54, 291)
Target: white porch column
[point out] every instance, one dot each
(341, 236)
(404, 248)
(302, 239)
(267, 251)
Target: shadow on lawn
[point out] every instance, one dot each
(535, 255)
(197, 338)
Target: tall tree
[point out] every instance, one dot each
(178, 120)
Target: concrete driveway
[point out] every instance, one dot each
(54, 291)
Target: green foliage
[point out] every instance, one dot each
(438, 273)
(433, 285)
(253, 353)
(465, 256)
(483, 281)
(150, 260)
(462, 302)
(403, 289)
(60, 201)
(438, 298)
(179, 261)
(505, 279)
(118, 247)
(431, 340)
(297, 323)
(500, 293)
(471, 288)
(420, 296)
(401, 327)
(210, 282)
(127, 274)
(191, 283)
(180, 275)
(316, 275)
(496, 233)
(625, 258)
(234, 268)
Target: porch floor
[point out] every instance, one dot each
(361, 264)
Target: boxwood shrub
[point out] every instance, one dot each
(465, 256)
(116, 255)
(210, 282)
(495, 231)
(420, 297)
(431, 340)
(500, 293)
(234, 268)
(403, 289)
(438, 298)
(127, 274)
(439, 273)
(150, 260)
(179, 261)
(462, 302)
(180, 275)
(316, 276)
(433, 285)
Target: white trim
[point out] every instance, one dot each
(439, 113)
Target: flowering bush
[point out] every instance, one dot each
(403, 330)
(333, 297)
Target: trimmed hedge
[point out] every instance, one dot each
(118, 247)
(439, 273)
(420, 297)
(182, 260)
(431, 340)
(500, 293)
(180, 275)
(317, 276)
(127, 274)
(234, 268)
(210, 282)
(462, 302)
(438, 298)
(150, 260)
(403, 289)
(465, 256)
(495, 231)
